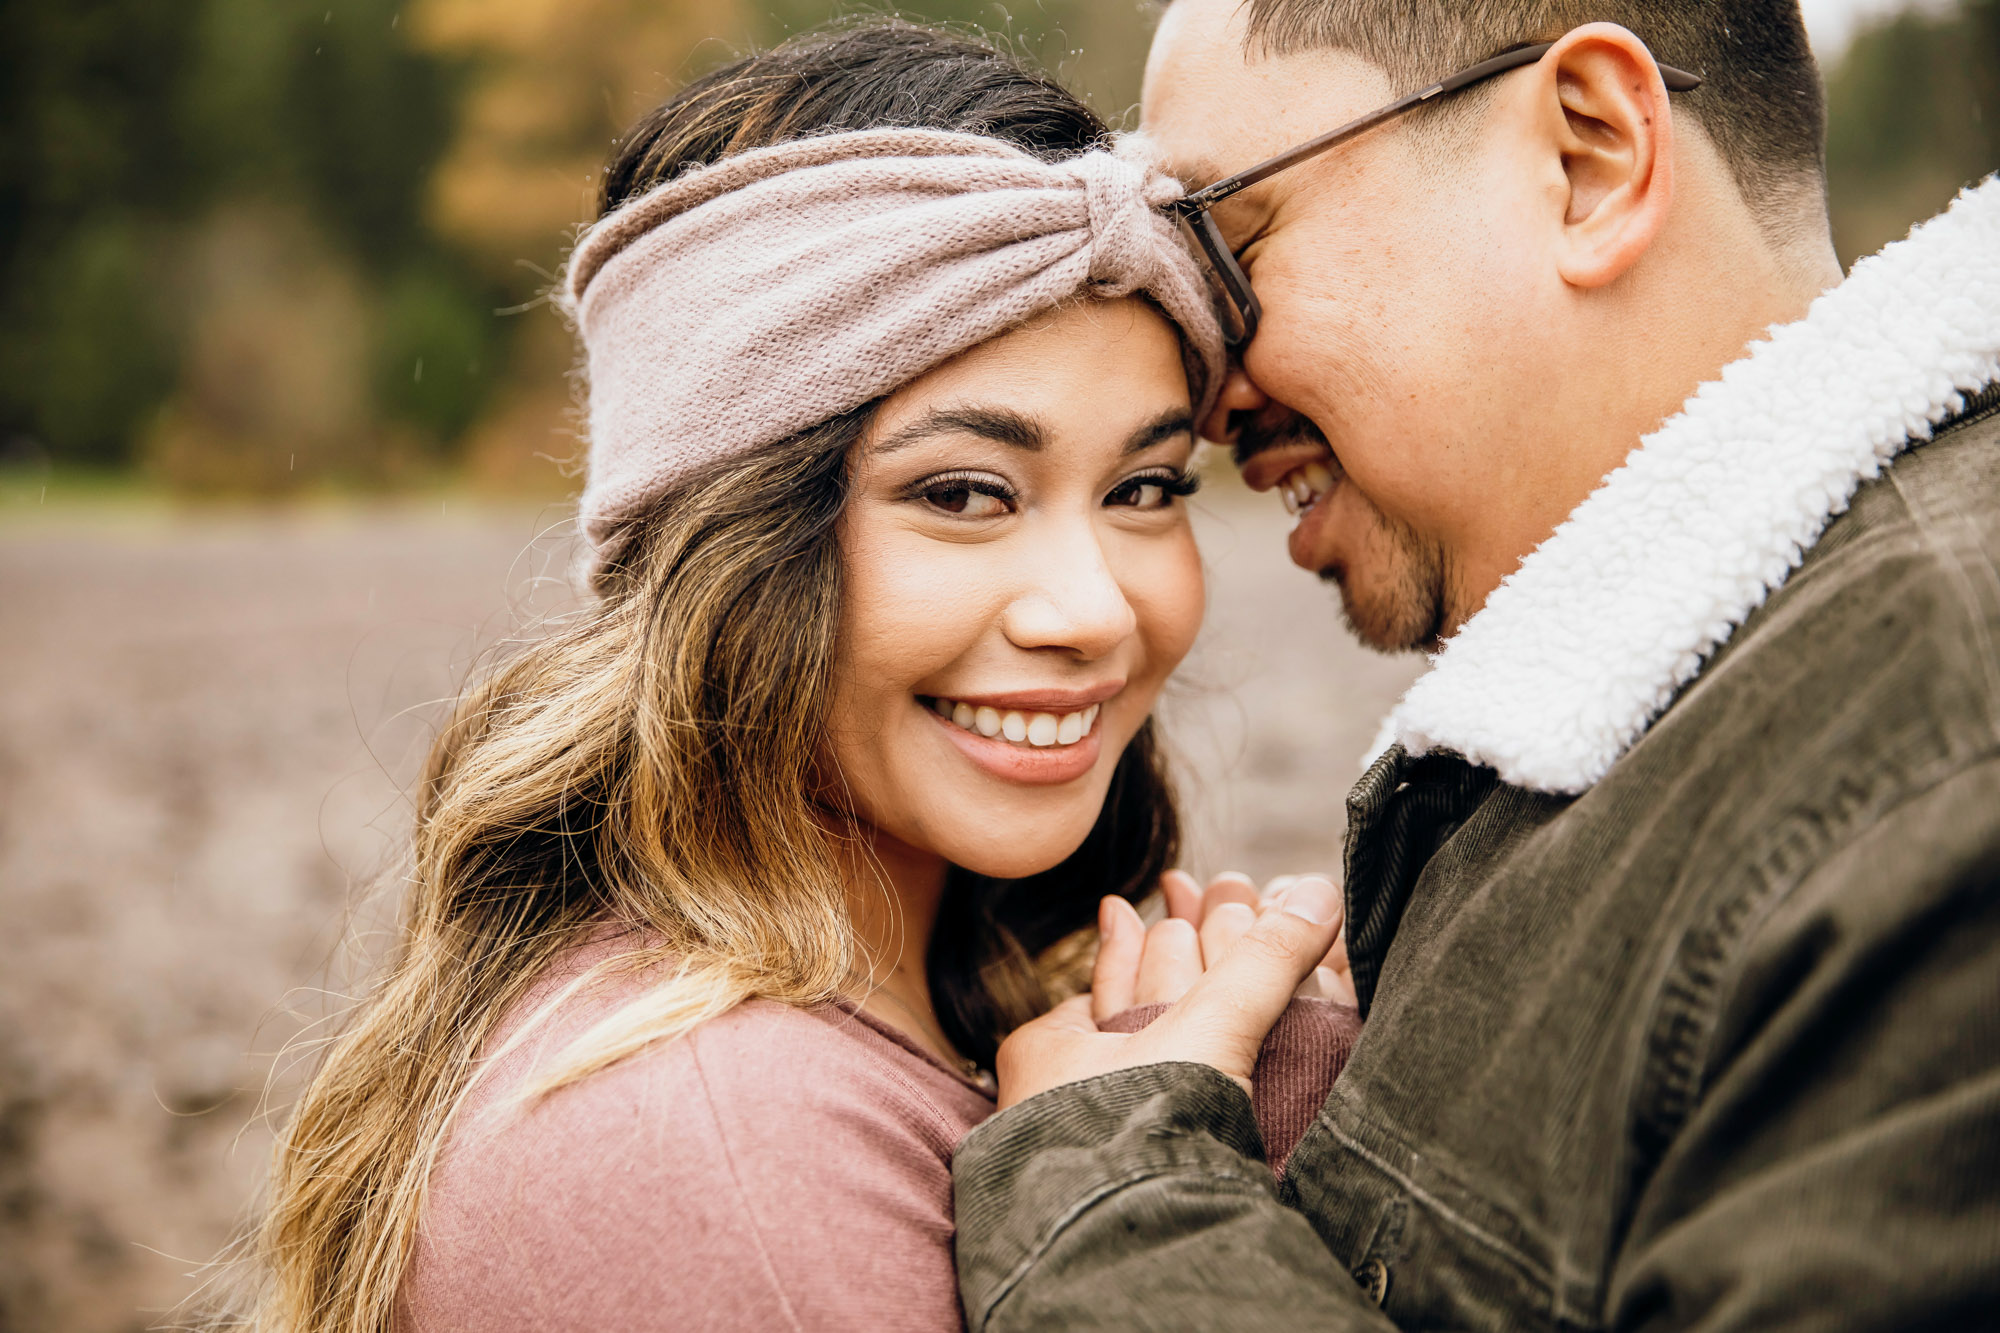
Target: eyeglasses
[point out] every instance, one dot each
(1235, 302)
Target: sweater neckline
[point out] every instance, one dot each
(977, 1079)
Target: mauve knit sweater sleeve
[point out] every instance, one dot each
(778, 1169)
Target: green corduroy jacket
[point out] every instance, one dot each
(1714, 1045)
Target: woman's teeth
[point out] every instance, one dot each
(1040, 730)
(1305, 486)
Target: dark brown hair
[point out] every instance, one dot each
(1760, 99)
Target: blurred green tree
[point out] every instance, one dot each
(1097, 47)
(140, 132)
(85, 158)
(1913, 117)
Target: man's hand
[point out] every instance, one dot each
(1256, 958)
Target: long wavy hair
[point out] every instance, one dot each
(658, 763)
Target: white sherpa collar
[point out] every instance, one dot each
(1578, 651)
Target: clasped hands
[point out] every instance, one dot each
(1227, 958)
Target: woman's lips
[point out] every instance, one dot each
(1033, 749)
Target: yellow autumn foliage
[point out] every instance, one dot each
(551, 84)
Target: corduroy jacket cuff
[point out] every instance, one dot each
(1020, 1179)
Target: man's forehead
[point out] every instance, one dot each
(1213, 105)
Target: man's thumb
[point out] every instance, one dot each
(1228, 1013)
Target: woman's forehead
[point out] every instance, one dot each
(1110, 364)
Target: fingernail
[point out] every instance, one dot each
(1314, 899)
(1107, 917)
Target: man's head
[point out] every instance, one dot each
(1471, 316)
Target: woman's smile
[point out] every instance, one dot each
(1041, 738)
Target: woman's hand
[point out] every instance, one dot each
(1157, 965)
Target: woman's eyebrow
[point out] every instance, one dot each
(1165, 427)
(993, 423)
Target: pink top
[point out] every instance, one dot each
(778, 1168)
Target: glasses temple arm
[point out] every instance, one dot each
(1676, 80)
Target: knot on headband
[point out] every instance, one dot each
(1121, 195)
(742, 302)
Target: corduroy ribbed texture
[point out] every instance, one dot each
(1303, 1054)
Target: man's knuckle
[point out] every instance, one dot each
(1270, 946)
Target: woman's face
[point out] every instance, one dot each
(1020, 579)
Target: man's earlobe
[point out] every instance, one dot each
(1613, 129)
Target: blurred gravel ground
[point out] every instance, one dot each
(206, 722)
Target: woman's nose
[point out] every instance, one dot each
(1072, 602)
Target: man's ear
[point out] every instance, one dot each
(1609, 121)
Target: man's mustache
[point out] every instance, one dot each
(1253, 436)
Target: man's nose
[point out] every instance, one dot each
(1239, 394)
(1071, 601)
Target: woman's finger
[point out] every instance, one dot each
(1336, 957)
(1121, 939)
(1224, 924)
(1225, 1017)
(1170, 964)
(1230, 886)
(1327, 984)
(1183, 896)
(1336, 966)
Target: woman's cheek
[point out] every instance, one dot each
(926, 605)
(1168, 594)
(887, 592)
(914, 608)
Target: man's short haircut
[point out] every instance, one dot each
(1760, 102)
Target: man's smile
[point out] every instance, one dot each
(1303, 469)
(1309, 483)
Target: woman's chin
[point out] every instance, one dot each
(1013, 857)
(1010, 868)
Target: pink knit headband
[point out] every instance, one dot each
(745, 301)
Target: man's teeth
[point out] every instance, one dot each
(1305, 486)
(1040, 730)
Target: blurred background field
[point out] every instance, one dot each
(283, 443)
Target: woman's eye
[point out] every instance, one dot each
(1150, 492)
(966, 499)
